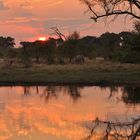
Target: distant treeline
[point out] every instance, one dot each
(123, 47)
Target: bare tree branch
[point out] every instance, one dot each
(108, 8)
(58, 33)
(116, 130)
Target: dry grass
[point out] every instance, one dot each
(93, 72)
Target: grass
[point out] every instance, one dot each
(93, 72)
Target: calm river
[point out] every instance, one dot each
(63, 112)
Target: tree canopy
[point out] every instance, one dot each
(7, 42)
(122, 47)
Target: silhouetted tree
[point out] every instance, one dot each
(58, 33)
(50, 50)
(7, 42)
(37, 50)
(108, 44)
(24, 54)
(71, 45)
(86, 46)
(74, 36)
(107, 8)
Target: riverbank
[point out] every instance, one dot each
(95, 73)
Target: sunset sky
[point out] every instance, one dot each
(31, 19)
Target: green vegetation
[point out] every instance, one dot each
(93, 72)
(108, 59)
(123, 47)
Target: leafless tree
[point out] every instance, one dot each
(58, 33)
(109, 8)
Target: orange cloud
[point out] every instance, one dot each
(39, 15)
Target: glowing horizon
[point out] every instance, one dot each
(42, 38)
(26, 20)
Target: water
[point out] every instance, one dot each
(63, 112)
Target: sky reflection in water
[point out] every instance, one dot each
(62, 112)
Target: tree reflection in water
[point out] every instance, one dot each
(131, 95)
(115, 130)
(26, 90)
(53, 92)
(118, 130)
(74, 92)
(110, 130)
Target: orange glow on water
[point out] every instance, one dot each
(41, 115)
